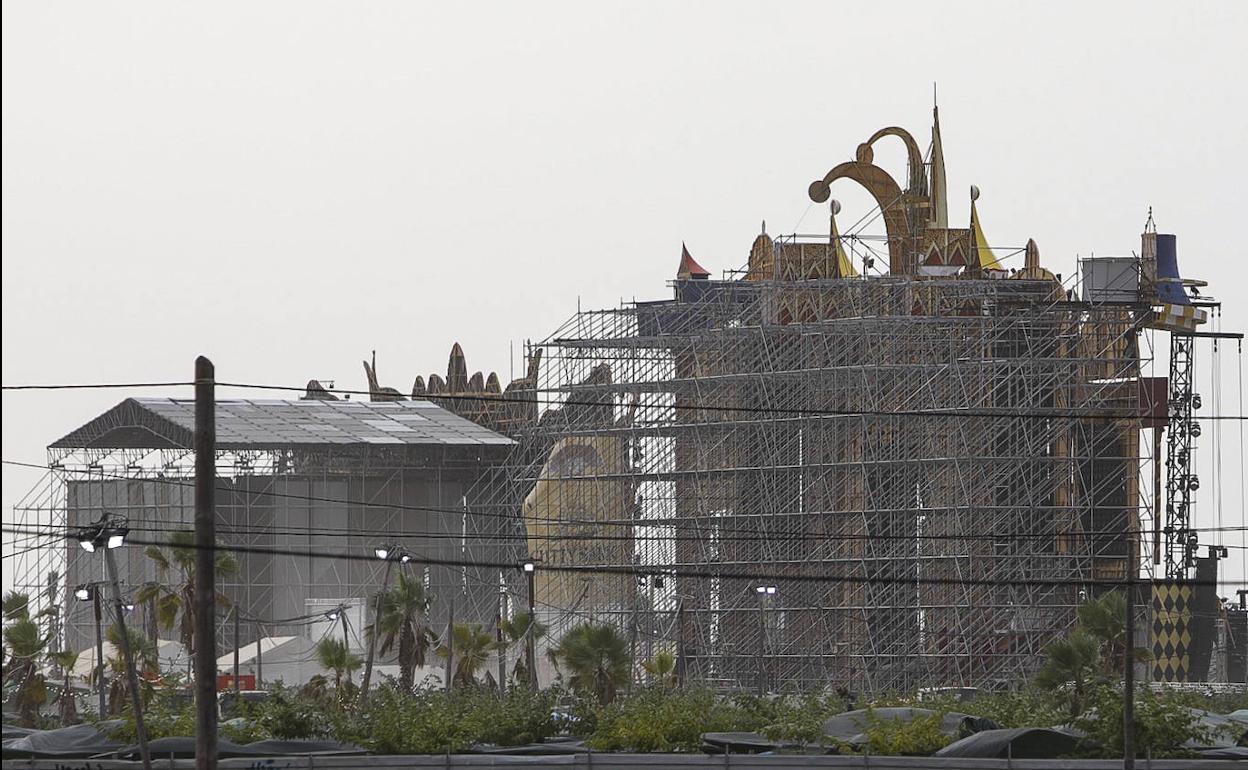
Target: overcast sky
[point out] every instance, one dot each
(287, 186)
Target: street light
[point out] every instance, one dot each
(91, 592)
(109, 533)
(761, 592)
(389, 554)
(102, 535)
(530, 648)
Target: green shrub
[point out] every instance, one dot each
(1162, 725)
(1030, 707)
(919, 737)
(659, 719)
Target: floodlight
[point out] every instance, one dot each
(117, 538)
(529, 566)
(382, 553)
(82, 593)
(87, 546)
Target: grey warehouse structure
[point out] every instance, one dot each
(298, 483)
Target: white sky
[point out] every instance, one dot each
(286, 186)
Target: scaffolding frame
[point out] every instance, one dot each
(761, 433)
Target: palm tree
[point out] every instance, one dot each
(404, 618)
(1104, 618)
(146, 664)
(471, 651)
(516, 631)
(661, 668)
(25, 644)
(597, 658)
(333, 654)
(176, 604)
(65, 661)
(1075, 662)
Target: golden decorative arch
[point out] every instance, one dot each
(887, 195)
(866, 154)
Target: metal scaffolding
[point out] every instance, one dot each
(906, 466)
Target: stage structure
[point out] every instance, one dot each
(317, 475)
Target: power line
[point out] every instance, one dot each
(710, 522)
(656, 569)
(519, 399)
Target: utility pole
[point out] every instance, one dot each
(205, 569)
(762, 646)
(681, 663)
(530, 570)
(259, 656)
(632, 640)
(99, 649)
(502, 656)
(450, 645)
(372, 642)
(237, 687)
(346, 636)
(136, 697)
(1128, 656)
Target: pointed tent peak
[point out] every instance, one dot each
(315, 391)
(981, 252)
(844, 265)
(938, 193)
(492, 384)
(534, 367)
(418, 387)
(456, 370)
(689, 267)
(1031, 260)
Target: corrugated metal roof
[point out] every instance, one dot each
(242, 423)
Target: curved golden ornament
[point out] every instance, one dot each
(887, 195)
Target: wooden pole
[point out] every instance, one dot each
(681, 663)
(1157, 501)
(259, 656)
(498, 626)
(237, 687)
(450, 645)
(1128, 655)
(136, 697)
(762, 647)
(372, 642)
(530, 641)
(205, 571)
(99, 650)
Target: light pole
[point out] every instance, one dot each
(530, 571)
(91, 592)
(762, 592)
(109, 535)
(388, 554)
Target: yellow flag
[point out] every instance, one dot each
(844, 265)
(986, 259)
